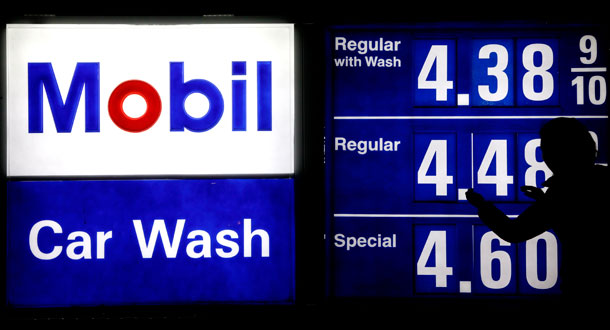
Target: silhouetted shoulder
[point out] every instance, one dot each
(601, 170)
(601, 178)
(600, 175)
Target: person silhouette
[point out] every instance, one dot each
(574, 207)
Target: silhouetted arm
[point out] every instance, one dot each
(529, 224)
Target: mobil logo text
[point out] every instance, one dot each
(85, 87)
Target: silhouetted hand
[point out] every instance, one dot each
(474, 198)
(533, 192)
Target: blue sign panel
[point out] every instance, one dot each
(419, 114)
(150, 242)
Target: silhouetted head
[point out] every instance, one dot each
(567, 146)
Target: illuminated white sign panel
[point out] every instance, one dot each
(150, 99)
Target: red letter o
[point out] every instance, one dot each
(153, 106)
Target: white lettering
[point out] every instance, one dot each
(85, 244)
(374, 61)
(364, 146)
(364, 46)
(340, 43)
(79, 245)
(34, 240)
(79, 249)
(233, 247)
(204, 242)
(339, 240)
(379, 241)
(147, 248)
(101, 243)
(248, 234)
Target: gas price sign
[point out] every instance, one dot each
(416, 115)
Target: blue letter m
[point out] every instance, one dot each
(85, 75)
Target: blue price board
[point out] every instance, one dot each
(418, 114)
(141, 242)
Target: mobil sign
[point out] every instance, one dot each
(94, 100)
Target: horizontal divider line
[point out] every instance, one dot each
(584, 69)
(464, 117)
(361, 215)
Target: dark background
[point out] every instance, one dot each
(312, 307)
